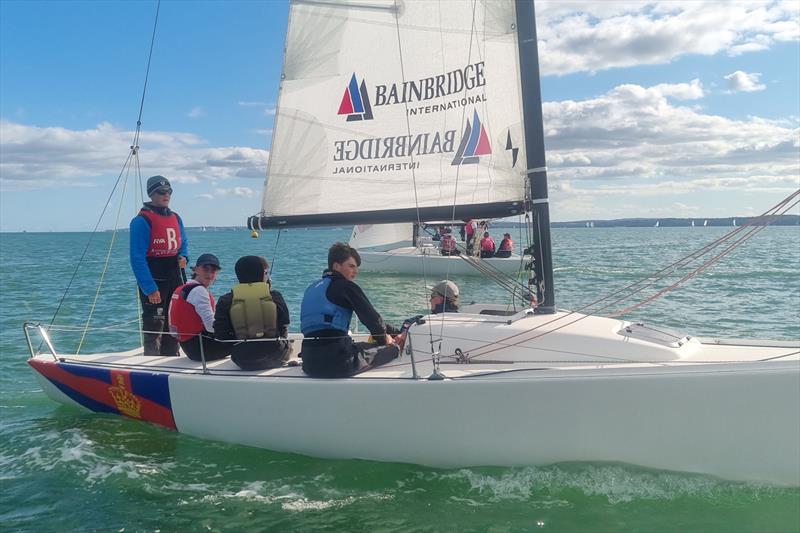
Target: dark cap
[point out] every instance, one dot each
(207, 259)
(506, 235)
(156, 182)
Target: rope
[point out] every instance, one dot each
(275, 254)
(133, 155)
(766, 217)
(105, 265)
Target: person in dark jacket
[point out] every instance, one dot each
(328, 305)
(158, 254)
(252, 311)
(444, 297)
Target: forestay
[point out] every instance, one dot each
(388, 107)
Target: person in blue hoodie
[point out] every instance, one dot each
(159, 251)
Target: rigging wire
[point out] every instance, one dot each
(133, 157)
(767, 218)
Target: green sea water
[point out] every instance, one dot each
(65, 470)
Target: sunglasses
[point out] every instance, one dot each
(163, 192)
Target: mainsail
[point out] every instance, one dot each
(397, 112)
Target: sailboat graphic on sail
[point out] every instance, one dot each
(395, 112)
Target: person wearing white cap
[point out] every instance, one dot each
(158, 254)
(444, 297)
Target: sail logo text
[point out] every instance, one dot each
(452, 82)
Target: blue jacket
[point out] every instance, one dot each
(140, 243)
(318, 313)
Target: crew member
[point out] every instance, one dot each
(328, 305)
(191, 313)
(158, 253)
(256, 314)
(444, 297)
(470, 227)
(506, 246)
(448, 243)
(487, 245)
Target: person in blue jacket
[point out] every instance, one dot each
(159, 251)
(328, 351)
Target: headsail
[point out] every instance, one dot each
(387, 108)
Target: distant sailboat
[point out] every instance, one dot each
(705, 223)
(658, 224)
(734, 222)
(692, 223)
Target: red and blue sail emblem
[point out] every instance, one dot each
(474, 143)
(355, 101)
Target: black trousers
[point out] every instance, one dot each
(486, 254)
(212, 349)
(342, 357)
(261, 355)
(503, 253)
(154, 319)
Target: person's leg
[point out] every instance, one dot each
(169, 344)
(212, 349)
(152, 322)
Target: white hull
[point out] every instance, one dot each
(419, 261)
(699, 407)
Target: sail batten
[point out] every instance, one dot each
(361, 139)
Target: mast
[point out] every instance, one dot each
(534, 150)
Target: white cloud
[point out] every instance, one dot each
(196, 112)
(35, 156)
(581, 36)
(741, 81)
(267, 109)
(632, 141)
(240, 192)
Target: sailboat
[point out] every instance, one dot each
(444, 109)
(657, 224)
(404, 249)
(692, 223)
(705, 223)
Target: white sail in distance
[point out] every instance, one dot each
(385, 108)
(381, 235)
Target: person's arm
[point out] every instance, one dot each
(184, 250)
(223, 327)
(348, 294)
(283, 313)
(140, 243)
(199, 298)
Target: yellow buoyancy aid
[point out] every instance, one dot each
(253, 313)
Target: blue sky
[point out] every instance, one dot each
(651, 109)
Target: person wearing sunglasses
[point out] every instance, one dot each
(158, 254)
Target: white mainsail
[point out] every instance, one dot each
(381, 235)
(386, 107)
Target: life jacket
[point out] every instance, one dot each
(470, 228)
(448, 243)
(506, 245)
(318, 313)
(184, 322)
(165, 233)
(487, 244)
(253, 313)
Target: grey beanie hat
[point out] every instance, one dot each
(156, 182)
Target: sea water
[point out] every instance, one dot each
(63, 469)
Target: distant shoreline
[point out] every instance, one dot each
(781, 220)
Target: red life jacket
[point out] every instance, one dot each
(165, 234)
(506, 245)
(184, 322)
(448, 243)
(470, 228)
(487, 244)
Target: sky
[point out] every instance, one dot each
(651, 109)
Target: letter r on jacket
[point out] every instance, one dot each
(172, 239)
